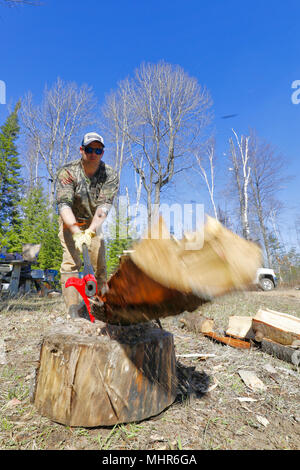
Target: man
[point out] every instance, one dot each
(85, 191)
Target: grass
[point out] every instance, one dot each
(215, 420)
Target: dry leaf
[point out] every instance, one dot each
(13, 402)
(212, 387)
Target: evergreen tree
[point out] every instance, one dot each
(10, 178)
(39, 225)
(114, 249)
(116, 244)
(50, 256)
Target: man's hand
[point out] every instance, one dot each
(90, 233)
(83, 237)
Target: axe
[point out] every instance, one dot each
(87, 286)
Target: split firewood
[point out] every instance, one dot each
(235, 343)
(240, 327)
(195, 322)
(162, 276)
(276, 326)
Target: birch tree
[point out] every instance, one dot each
(239, 157)
(54, 128)
(165, 112)
(206, 168)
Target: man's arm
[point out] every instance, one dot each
(98, 219)
(69, 220)
(105, 200)
(65, 198)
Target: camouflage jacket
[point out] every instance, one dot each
(82, 194)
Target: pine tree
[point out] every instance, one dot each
(10, 178)
(115, 244)
(50, 256)
(39, 225)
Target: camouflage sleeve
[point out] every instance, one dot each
(108, 191)
(64, 189)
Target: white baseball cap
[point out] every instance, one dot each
(91, 137)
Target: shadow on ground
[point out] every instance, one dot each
(191, 383)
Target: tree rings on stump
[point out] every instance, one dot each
(91, 374)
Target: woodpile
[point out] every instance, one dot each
(277, 326)
(275, 332)
(279, 334)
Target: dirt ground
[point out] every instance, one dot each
(214, 408)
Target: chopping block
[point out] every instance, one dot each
(90, 375)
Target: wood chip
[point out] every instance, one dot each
(251, 380)
(212, 387)
(269, 368)
(157, 438)
(202, 356)
(245, 399)
(262, 420)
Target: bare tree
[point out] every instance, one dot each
(114, 124)
(132, 210)
(206, 169)
(267, 179)
(164, 113)
(32, 165)
(239, 157)
(54, 128)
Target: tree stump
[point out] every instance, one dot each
(92, 374)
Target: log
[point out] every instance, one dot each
(197, 323)
(91, 374)
(285, 353)
(162, 276)
(277, 326)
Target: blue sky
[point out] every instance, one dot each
(245, 52)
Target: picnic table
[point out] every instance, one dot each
(14, 267)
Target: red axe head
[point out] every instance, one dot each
(87, 287)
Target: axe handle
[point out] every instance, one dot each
(90, 288)
(88, 268)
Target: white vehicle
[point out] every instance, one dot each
(266, 279)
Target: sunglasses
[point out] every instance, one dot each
(90, 150)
